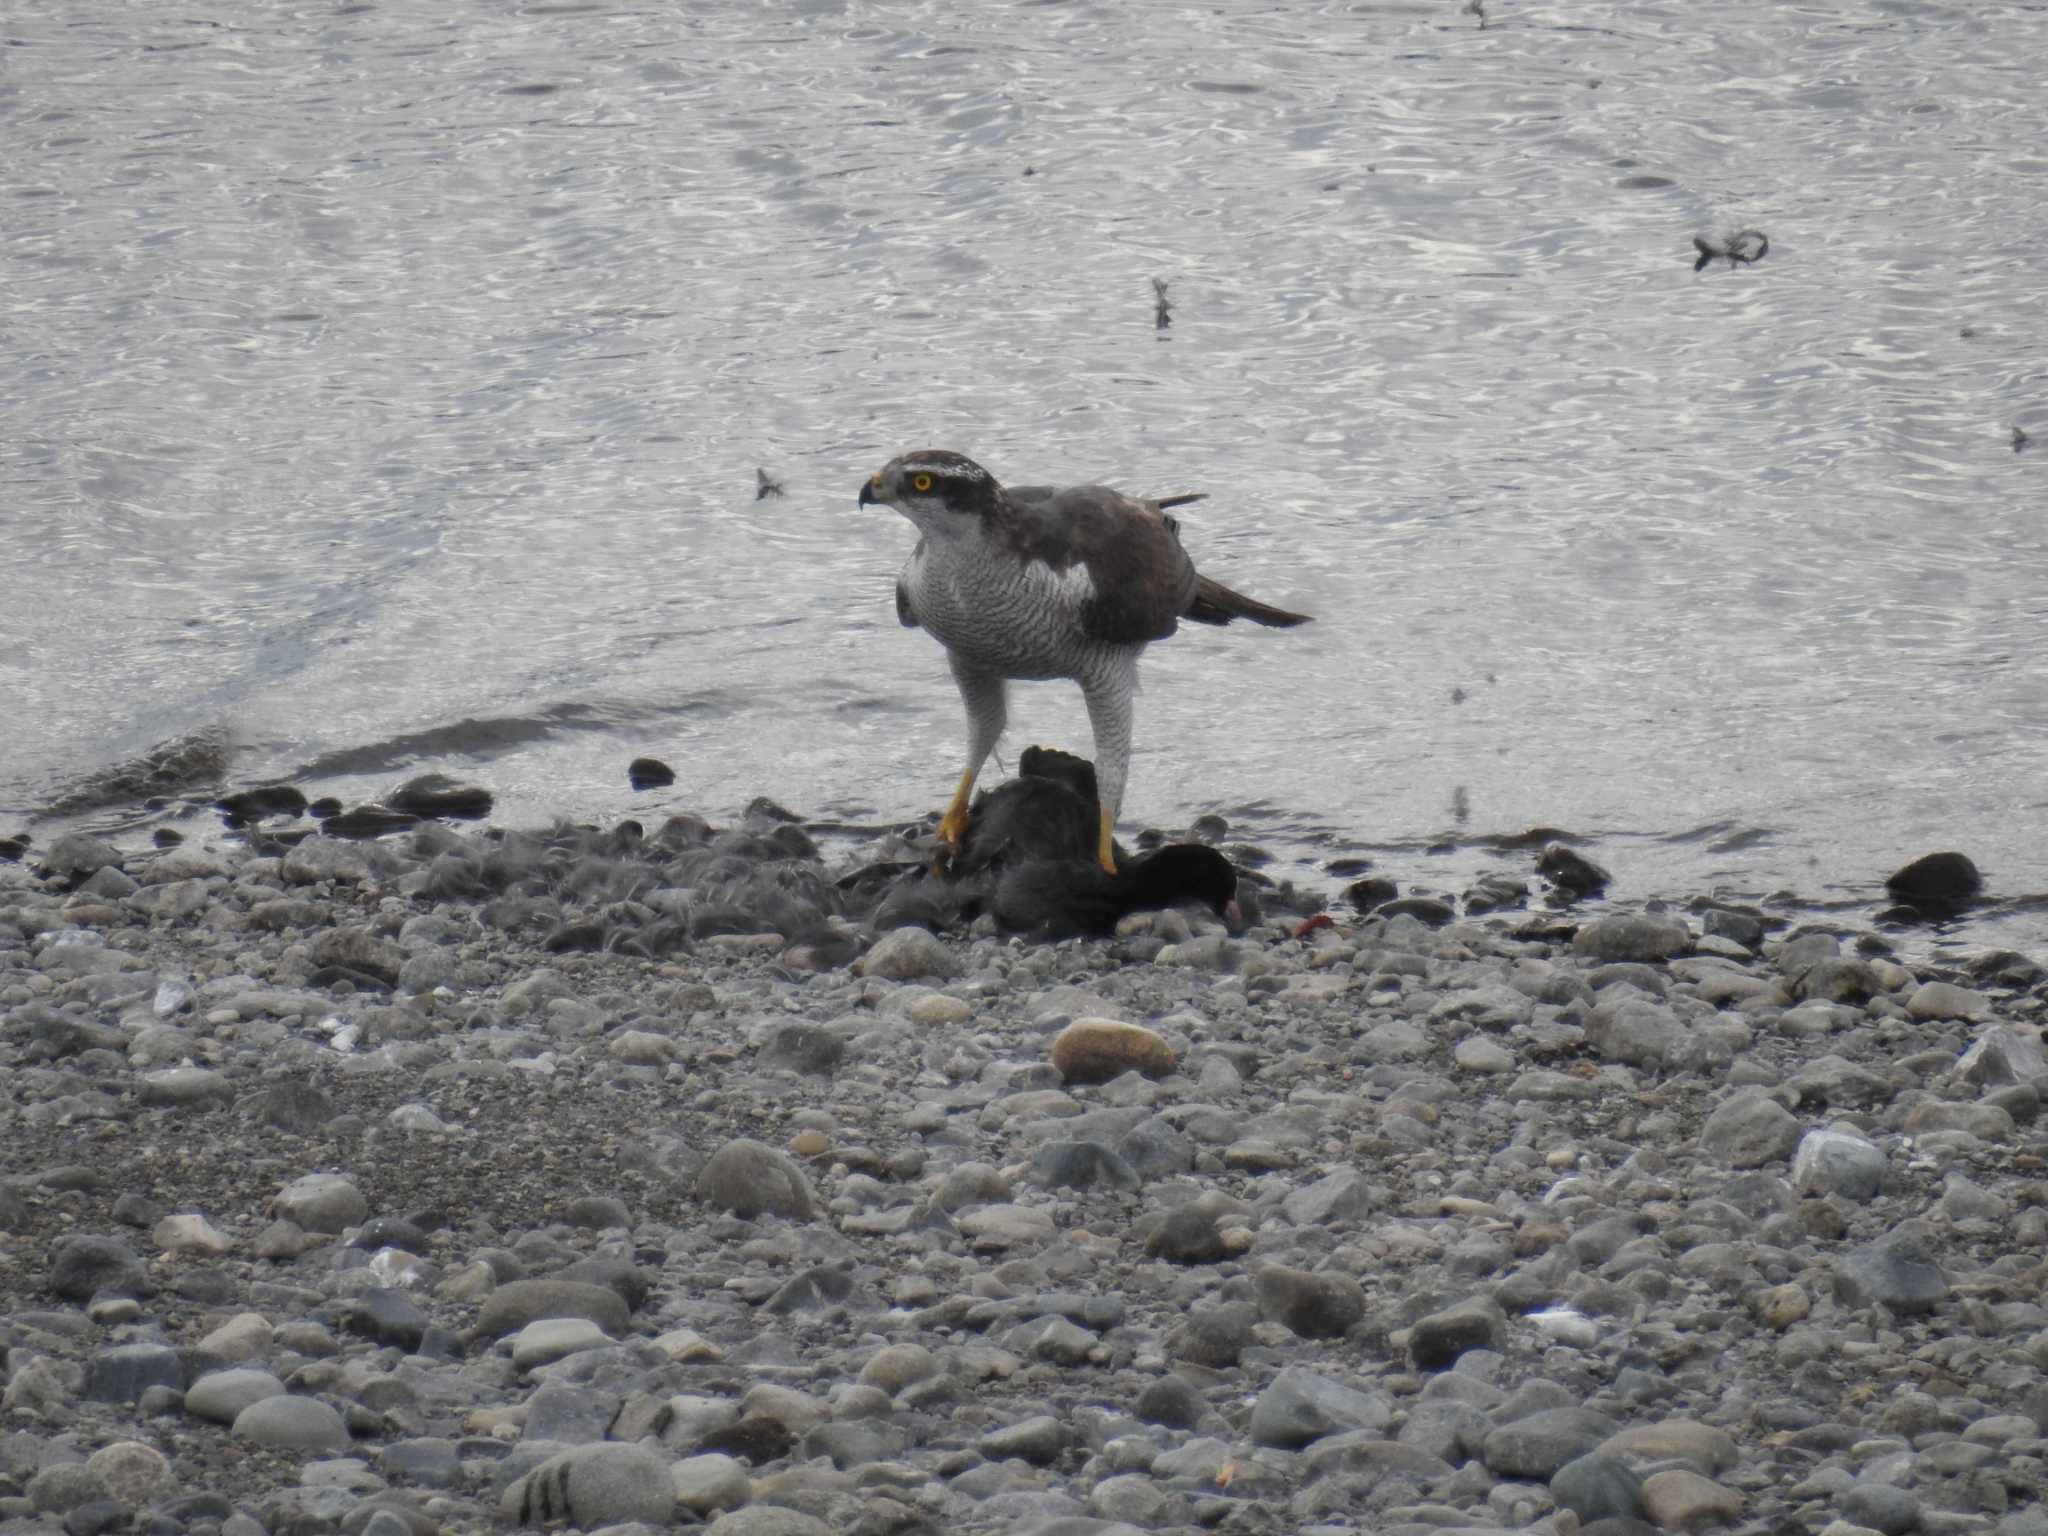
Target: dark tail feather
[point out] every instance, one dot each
(1216, 604)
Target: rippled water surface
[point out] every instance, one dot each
(385, 384)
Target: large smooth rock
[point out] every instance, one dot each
(594, 1485)
(290, 1423)
(84, 1266)
(512, 1306)
(751, 1178)
(1749, 1130)
(1540, 1444)
(321, 1202)
(1300, 1406)
(1837, 1162)
(221, 1396)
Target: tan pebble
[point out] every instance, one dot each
(189, 1233)
(1096, 1050)
(1685, 1501)
(245, 1336)
(1780, 1306)
(687, 1344)
(937, 1008)
(638, 1047)
(810, 1143)
(1459, 1205)
(1939, 1000)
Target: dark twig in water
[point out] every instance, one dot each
(1745, 245)
(2019, 438)
(1477, 8)
(1162, 308)
(765, 486)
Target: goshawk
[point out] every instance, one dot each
(1036, 582)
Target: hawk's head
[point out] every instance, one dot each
(935, 489)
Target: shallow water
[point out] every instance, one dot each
(387, 381)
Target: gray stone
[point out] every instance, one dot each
(1155, 1149)
(357, 949)
(1436, 1341)
(124, 1372)
(290, 1423)
(1880, 1507)
(221, 1396)
(1542, 1443)
(1039, 1440)
(908, 954)
(77, 854)
(70, 1485)
(2003, 1055)
(1839, 979)
(1081, 1165)
(750, 1178)
(706, 1484)
(1749, 1130)
(1314, 1305)
(1447, 1429)
(1213, 1336)
(1642, 1032)
(321, 1202)
(810, 1050)
(594, 1485)
(1173, 1401)
(896, 1366)
(1942, 1000)
(519, 1302)
(1298, 1406)
(561, 1411)
(1832, 1080)
(1839, 1163)
(1896, 1272)
(431, 1460)
(1632, 936)
(182, 1086)
(1597, 1487)
(549, 1339)
(1342, 1195)
(85, 1266)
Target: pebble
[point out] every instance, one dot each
(1679, 1500)
(594, 1486)
(291, 1423)
(1097, 1050)
(750, 1178)
(512, 1306)
(321, 1202)
(1828, 1161)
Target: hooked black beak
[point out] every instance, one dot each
(867, 493)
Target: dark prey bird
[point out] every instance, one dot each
(1028, 860)
(1042, 583)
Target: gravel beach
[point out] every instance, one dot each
(464, 1178)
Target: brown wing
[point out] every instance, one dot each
(1143, 579)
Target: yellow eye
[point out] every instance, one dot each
(921, 482)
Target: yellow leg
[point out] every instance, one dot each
(1105, 850)
(953, 824)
